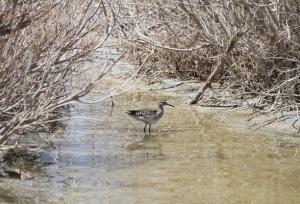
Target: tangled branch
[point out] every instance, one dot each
(43, 45)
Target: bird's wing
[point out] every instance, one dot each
(144, 113)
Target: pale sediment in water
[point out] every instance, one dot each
(194, 155)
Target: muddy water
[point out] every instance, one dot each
(103, 156)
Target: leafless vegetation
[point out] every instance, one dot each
(251, 47)
(43, 45)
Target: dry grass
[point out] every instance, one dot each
(188, 38)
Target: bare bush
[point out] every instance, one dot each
(43, 45)
(189, 38)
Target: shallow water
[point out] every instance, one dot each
(103, 156)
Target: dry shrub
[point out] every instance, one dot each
(43, 44)
(186, 38)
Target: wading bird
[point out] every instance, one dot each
(149, 116)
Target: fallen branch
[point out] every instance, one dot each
(216, 70)
(219, 106)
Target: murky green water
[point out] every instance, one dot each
(189, 158)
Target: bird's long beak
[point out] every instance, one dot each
(170, 105)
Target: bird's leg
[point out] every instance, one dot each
(149, 128)
(145, 127)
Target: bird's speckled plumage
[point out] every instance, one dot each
(149, 116)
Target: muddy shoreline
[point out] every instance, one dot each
(225, 109)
